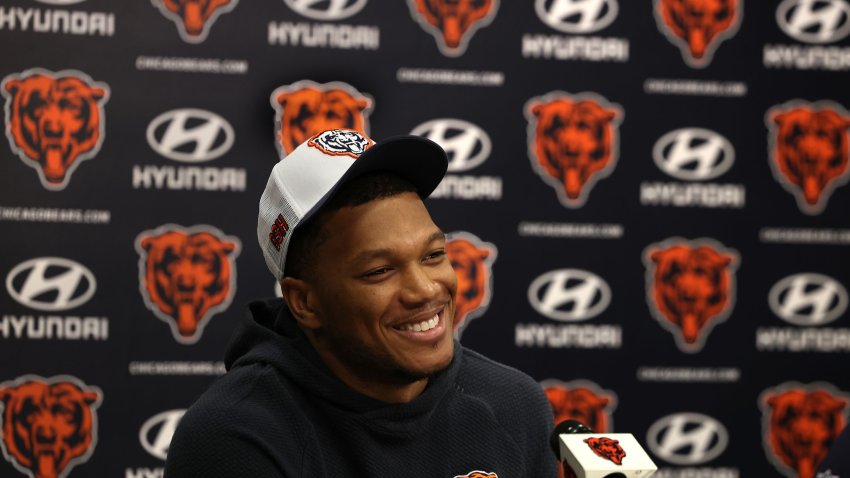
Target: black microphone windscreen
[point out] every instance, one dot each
(569, 427)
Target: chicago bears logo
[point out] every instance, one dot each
(305, 108)
(690, 287)
(54, 121)
(809, 150)
(581, 400)
(187, 275)
(478, 474)
(799, 424)
(341, 142)
(49, 425)
(453, 22)
(194, 18)
(573, 142)
(698, 26)
(607, 448)
(472, 260)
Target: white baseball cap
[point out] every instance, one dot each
(301, 182)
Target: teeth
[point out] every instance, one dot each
(423, 326)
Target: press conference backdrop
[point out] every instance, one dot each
(647, 200)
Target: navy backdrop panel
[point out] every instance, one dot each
(647, 204)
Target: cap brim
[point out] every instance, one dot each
(416, 159)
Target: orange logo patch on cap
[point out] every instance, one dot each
(341, 142)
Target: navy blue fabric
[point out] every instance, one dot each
(279, 412)
(837, 462)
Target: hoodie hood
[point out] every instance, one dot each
(269, 335)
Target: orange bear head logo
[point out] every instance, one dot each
(698, 26)
(194, 18)
(305, 108)
(453, 22)
(54, 121)
(809, 150)
(607, 448)
(478, 474)
(49, 425)
(690, 288)
(573, 142)
(187, 275)
(799, 423)
(472, 260)
(581, 400)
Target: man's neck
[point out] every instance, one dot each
(390, 390)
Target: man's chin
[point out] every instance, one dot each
(410, 375)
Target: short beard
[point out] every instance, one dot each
(381, 369)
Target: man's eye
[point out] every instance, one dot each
(377, 272)
(436, 255)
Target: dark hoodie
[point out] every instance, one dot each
(280, 412)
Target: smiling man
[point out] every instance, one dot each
(356, 373)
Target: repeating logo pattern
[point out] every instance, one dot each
(570, 295)
(809, 150)
(306, 108)
(687, 438)
(698, 26)
(814, 21)
(472, 260)
(800, 423)
(693, 154)
(324, 10)
(187, 275)
(453, 23)
(54, 121)
(157, 431)
(466, 144)
(808, 299)
(190, 135)
(49, 424)
(573, 142)
(690, 287)
(581, 400)
(51, 284)
(194, 18)
(577, 16)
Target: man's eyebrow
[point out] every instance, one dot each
(370, 254)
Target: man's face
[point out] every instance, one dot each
(384, 291)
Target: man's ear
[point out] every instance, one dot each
(299, 296)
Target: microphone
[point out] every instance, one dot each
(599, 455)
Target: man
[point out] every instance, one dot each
(355, 373)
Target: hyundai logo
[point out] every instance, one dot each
(569, 295)
(693, 154)
(190, 135)
(808, 299)
(466, 145)
(51, 284)
(326, 9)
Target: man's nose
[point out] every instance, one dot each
(419, 286)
